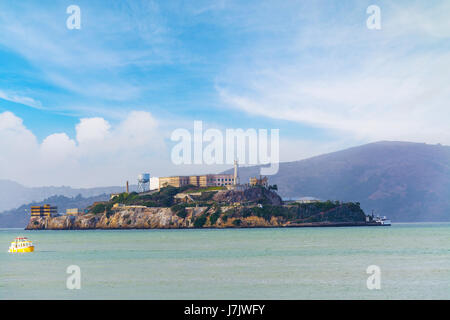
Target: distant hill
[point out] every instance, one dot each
(405, 181)
(19, 217)
(13, 194)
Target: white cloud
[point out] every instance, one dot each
(18, 146)
(16, 139)
(137, 127)
(58, 147)
(429, 21)
(100, 154)
(20, 99)
(92, 130)
(375, 85)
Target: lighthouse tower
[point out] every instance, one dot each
(236, 173)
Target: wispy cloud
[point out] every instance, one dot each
(27, 101)
(387, 84)
(104, 61)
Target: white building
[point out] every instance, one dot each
(307, 200)
(154, 183)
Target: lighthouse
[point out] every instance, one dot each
(236, 173)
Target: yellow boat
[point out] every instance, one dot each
(21, 244)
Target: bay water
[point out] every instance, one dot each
(272, 263)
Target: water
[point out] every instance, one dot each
(289, 263)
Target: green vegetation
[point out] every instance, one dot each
(109, 213)
(215, 216)
(161, 198)
(200, 221)
(327, 211)
(98, 208)
(206, 196)
(165, 198)
(179, 210)
(268, 211)
(230, 213)
(208, 189)
(311, 212)
(237, 222)
(108, 209)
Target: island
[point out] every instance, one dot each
(211, 207)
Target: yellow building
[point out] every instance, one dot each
(194, 180)
(73, 212)
(202, 181)
(177, 181)
(44, 211)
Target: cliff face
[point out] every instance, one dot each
(142, 218)
(138, 217)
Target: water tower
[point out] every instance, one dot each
(144, 182)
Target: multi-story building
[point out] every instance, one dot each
(177, 181)
(222, 180)
(73, 212)
(44, 211)
(154, 183)
(207, 180)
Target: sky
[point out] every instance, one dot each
(95, 106)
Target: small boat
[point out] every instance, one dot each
(21, 244)
(384, 221)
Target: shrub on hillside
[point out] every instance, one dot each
(98, 208)
(215, 216)
(237, 222)
(200, 221)
(179, 210)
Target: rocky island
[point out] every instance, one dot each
(213, 207)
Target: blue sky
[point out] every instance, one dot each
(310, 68)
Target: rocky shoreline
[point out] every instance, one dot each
(137, 217)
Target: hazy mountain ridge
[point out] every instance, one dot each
(13, 194)
(406, 181)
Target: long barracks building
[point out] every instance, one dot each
(207, 180)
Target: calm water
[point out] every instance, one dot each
(303, 263)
